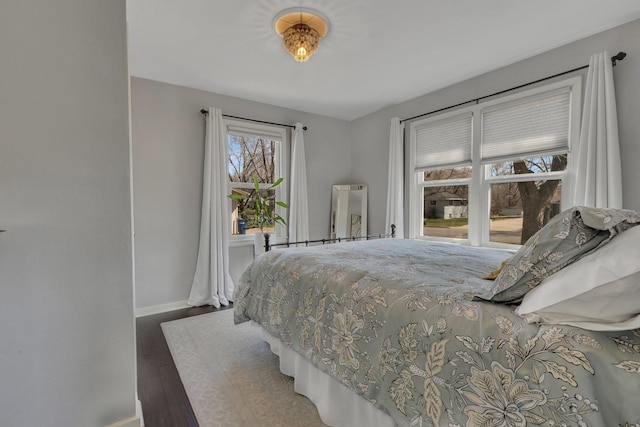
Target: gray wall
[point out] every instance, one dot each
(370, 134)
(66, 311)
(168, 146)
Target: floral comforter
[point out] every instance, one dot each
(396, 321)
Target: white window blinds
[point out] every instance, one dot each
(536, 125)
(443, 143)
(255, 132)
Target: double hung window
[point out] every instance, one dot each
(254, 150)
(493, 173)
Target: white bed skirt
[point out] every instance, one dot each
(337, 405)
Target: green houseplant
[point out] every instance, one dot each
(258, 208)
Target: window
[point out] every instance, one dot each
(254, 150)
(492, 174)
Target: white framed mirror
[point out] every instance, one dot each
(348, 211)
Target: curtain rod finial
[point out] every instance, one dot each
(619, 57)
(204, 112)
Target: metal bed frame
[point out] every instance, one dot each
(268, 246)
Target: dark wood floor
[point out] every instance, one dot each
(164, 401)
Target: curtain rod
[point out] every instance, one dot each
(618, 57)
(205, 113)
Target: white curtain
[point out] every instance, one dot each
(395, 187)
(598, 181)
(212, 284)
(298, 205)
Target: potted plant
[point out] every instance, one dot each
(260, 210)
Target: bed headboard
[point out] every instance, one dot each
(268, 246)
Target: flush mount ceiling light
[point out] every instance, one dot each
(301, 30)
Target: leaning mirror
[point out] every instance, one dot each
(348, 211)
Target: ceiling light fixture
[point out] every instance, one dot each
(301, 30)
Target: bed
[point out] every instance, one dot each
(412, 333)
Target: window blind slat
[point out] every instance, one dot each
(540, 125)
(443, 144)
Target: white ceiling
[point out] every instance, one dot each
(378, 52)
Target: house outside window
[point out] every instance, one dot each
(493, 174)
(254, 150)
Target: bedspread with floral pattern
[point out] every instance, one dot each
(396, 322)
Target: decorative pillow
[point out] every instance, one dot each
(567, 237)
(599, 292)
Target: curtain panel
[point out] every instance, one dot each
(212, 283)
(298, 203)
(395, 186)
(598, 180)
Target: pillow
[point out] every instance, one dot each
(567, 237)
(600, 292)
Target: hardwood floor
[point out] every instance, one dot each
(164, 401)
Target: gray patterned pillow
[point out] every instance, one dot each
(567, 237)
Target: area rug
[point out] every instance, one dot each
(231, 376)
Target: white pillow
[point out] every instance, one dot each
(600, 292)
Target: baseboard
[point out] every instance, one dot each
(139, 411)
(135, 421)
(129, 422)
(162, 308)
